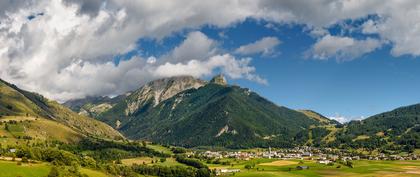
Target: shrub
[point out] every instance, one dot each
(25, 160)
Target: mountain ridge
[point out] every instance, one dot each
(191, 101)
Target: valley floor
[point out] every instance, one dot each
(286, 168)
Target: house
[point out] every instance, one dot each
(302, 167)
(12, 150)
(307, 154)
(230, 170)
(324, 162)
(223, 171)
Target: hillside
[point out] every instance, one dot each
(318, 117)
(93, 106)
(395, 129)
(18, 104)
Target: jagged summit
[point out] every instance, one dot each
(219, 79)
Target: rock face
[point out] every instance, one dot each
(160, 90)
(219, 79)
(121, 108)
(146, 98)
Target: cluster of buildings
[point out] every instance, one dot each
(322, 155)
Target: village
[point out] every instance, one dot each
(326, 156)
(321, 155)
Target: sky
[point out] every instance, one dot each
(346, 59)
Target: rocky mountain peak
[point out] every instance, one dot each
(219, 79)
(159, 90)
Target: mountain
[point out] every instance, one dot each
(123, 108)
(44, 118)
(396, 129)
(190, 112)
(93, 106)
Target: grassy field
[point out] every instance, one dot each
(38, 129)
(160, 148)
(285, 168)
(148, 161)
(11, 169)
(92, 173)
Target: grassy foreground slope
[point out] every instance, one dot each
(15, 128)
(21, 103)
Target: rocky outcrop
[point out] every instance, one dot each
(219, 79)
(159, 90)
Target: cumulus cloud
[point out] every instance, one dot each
(49, 63)
(397, 21)
(196, 46)
(73, 39)
(265, 46)
(68, 52)
(342, 48)
(232, 67)
(399, 25)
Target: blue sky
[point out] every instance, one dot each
(345, 59)
(372, 83)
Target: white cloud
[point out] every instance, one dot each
(400, 25)
(340, 119)
(196, 46)
(68, 76)
(68, 51)
(342, 48)
(83, 36)
(151, 60)
(265, 46)
(232, 67)
(344, 119)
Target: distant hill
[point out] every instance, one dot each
(93, 106)
(318, 117)
(396, 129)
(20, 105)
(190, 112)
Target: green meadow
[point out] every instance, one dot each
(286, 168)
(11, 169)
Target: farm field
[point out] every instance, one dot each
(9, 169)
(362, 168)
